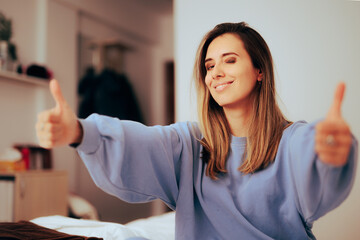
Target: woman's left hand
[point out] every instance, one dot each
(333, 137)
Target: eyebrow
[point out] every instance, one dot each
(223, 55)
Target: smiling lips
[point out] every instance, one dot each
(221, 86)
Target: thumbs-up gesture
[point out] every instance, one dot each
(333, 136)
(58, 126)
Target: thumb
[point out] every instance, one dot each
(335, 109)
(57, 95)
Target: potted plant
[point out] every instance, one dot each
(7, 49)
(5, 28)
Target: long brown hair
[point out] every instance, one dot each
(267, 122)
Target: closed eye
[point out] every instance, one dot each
(209, 67)
(230, 60)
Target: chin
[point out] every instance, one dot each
(222, 103)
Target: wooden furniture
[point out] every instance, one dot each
(30, 194)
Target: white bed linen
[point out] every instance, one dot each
(160, 227)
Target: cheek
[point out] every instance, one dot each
(207, 80)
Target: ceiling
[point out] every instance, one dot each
(157, 6)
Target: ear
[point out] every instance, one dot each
(259, 74)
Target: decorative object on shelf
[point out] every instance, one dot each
(5, 28)
(3, 55)
(35, 157)
(39, 71)
(8, 56)
(11, 160)
(23, 157)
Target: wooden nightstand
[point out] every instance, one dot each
(30, 194)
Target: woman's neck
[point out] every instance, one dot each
(238, 120)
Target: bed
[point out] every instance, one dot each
(156, 227)
(59, 227)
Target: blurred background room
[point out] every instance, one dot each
(132, 40)
(149, 48)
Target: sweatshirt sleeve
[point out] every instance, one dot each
(131, 161)
(319, 187)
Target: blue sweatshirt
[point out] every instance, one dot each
(138, 164)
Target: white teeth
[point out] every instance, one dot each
(222, 86)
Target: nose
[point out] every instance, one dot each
(217, 72)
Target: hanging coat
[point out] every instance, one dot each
(108, 93)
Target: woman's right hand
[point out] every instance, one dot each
(58, 126)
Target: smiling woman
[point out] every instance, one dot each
(245, 168)
(238, 94)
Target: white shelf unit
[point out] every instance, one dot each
(22, 78)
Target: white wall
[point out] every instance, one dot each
(163, 53)
(314, 44)
(61, 57)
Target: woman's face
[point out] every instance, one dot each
(231, 76)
